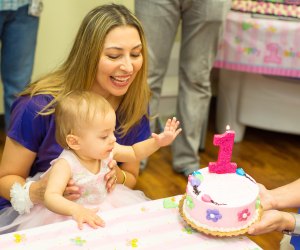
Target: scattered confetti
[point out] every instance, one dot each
(188, 230)
(19, 238)
(170, 203)
(78, 241)
(133, 243)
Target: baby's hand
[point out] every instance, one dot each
(169, 134)
(89, 216)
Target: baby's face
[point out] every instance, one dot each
(98, 140)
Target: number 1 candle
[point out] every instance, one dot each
(225, 142)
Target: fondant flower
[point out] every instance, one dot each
(213, 214)
(189, 202)
(243, 215)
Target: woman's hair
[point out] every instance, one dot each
(76, 111)
(79, 70)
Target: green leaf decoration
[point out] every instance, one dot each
(189, 202)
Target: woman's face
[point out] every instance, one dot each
(119, 62)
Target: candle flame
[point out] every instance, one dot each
(227, 127)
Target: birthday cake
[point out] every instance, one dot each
(221, 200)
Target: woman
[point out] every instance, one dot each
(109, 58)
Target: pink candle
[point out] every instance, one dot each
(225, 142)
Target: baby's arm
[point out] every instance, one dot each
(60, 174)
(145, 148)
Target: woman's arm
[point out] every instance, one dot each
(15, 166)
(287, 196)
(273, 219)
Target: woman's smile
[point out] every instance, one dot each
(120, 81)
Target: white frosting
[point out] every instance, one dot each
(230, 189)
(230, 203)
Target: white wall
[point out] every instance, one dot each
(59, 23)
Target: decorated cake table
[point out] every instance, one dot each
(151, 225)
(260, 45)
(259, 61)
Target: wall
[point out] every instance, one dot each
(59, 23)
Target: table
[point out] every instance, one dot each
(260, 45)
(260, 74)
(150, 225)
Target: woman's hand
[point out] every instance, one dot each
(72, 192)
(111, 176)
(273, 220)
(38, 188)
(267, 200)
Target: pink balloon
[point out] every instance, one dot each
(206, 198)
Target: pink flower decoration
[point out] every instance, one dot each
(243, 215)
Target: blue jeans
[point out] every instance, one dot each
(18, 34)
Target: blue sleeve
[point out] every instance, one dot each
(26, 126)
(139, 132)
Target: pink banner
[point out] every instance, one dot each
(260, 45)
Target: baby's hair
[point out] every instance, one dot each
(77, 110)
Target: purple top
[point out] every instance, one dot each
(37, 132)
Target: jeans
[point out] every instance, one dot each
(18, 34)
(201, 26)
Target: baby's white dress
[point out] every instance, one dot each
(93, 194)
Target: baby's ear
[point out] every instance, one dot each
(73, 142)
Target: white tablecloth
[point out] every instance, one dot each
(151, 225)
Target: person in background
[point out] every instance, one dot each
(201, 26)
(85, 125)
(19, 22)
(108, 57)
(273, 219)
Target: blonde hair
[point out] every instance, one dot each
(76, 111)
(79, 70)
